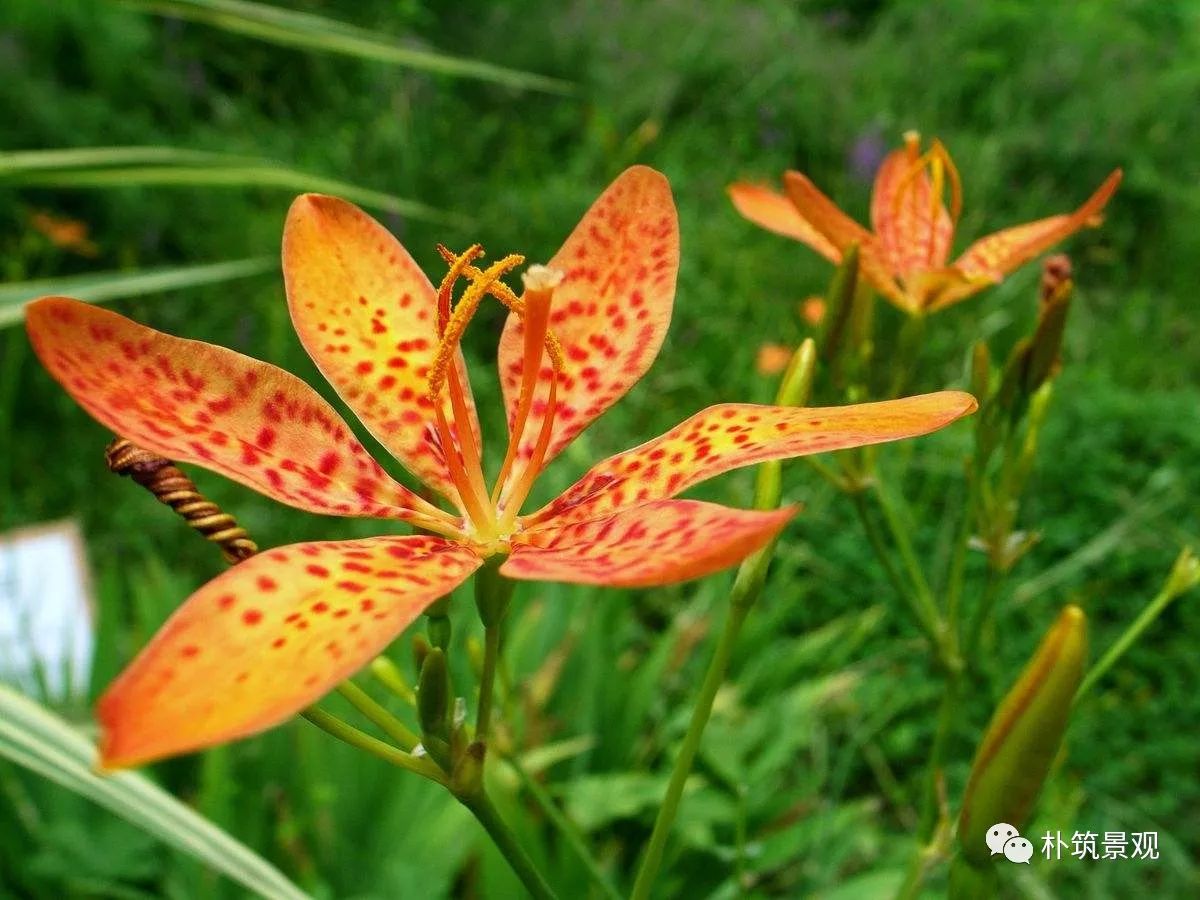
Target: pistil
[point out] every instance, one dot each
(540, 282)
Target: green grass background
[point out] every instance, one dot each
(817, 745)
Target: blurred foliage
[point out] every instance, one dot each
(816, 747)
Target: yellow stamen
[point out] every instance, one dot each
(937, 160)
(458, 265)
(524, 484)
(505, 295)
(474, 508)
(468, 303)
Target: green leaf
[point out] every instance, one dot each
(100, 287)
(40, 741)
(292, 28)
(106, 167)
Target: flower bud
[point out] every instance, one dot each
(1023, 737)
(1046, 345)
(433, 694)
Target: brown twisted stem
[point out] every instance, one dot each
(171, 486)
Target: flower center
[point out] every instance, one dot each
(491, 516)
(941, 169)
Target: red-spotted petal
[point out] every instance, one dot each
(198, 403)
(842, 231)
(264, 640)
(772, 210)
(996, 255)
(611, 311)
(733, 435)
(368, 318)
(658, 543)
(912, 226)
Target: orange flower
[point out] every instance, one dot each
(271, 635)
(906, 256)
(812, 310)
(772, 359)
(69, 234)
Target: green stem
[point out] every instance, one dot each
(566, 828)
(928, 625)
(348, 734)
(713, 678)
(795, 389)
(958, 559)
(487, 681)
(899, 533)
(983, 613)
(389, 724)
(493, 593)
(481, 807)
(930, 806)
(1152, 610)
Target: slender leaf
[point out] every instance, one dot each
(104, 167)
(100, 287)
(40, 741)
(293, 28)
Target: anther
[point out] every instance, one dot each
(505, 295)
(468, 303)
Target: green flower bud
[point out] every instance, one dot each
(433, 694)
(1023, 737)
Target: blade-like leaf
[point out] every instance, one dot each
(40, 741)
(105, 167)
(101, 287)
(292, 28)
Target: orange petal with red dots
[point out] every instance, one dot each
(611, 311)
(913, 228)
(773, 211)
(658, 543)
(198, 403)
(839, 229)
(732, 435)
(269, 637)
(842, 231)
(368, 318)
(996, 255)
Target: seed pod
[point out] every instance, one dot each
(1023, 737)
(171, 486)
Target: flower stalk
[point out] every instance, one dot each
(794, 390)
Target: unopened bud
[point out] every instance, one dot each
(433, 695)
(1024, 736)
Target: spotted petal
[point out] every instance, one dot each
(611, 311)
(998, 254)
(730, 436)
(368, 318)
(772, 210)
(198, 403)
(658, 543)
(264, 640)
(842, 231)
(913, 227)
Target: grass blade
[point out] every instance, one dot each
(293, 28)
(104, 167)
(40, 741)
(100, 287)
